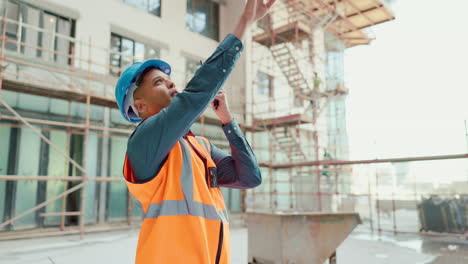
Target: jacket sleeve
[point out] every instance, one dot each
(151, 142)
(240, 169)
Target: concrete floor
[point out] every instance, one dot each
(119, 247)
(364, 247)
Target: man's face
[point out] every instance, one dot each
(154, 93)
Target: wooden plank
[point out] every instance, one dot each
(283, 121)
(284, 33)
(45, 91)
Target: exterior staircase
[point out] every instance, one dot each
(287, 143)
(284, 57)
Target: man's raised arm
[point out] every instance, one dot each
(160, 132)
(254, 10)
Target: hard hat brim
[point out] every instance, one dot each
(158, 64)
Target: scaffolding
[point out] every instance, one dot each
(77, 90)
(301, 43)
(300, 138)
(74, 80)
(74, 75)
(297, 132)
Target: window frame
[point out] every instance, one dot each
(147, 7)
(271, 80)
(119, 53)
(22, 16)
(213, 13)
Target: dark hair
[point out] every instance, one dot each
(141, 76)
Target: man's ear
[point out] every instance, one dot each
(140, 106)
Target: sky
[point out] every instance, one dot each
(408, 88)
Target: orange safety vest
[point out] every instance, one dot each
(185, 218)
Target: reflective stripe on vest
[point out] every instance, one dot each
(174, 207)
(187, 206)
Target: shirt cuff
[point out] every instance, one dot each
(232, 44)
(232, 130)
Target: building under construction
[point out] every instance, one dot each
(301, 45)
(63, 139)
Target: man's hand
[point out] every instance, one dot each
(221, 108)
(256, 9)
(253, 11)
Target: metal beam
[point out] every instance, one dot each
(354, 162)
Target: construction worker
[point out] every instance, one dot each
(326, 156)
(175, 175)
(316, 88)
(317, 82)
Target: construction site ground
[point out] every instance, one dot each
(118, 247)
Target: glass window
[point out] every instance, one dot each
(141, 4)
(13, 14)
(264, 84)
(11, 29)
(33, 102)
(59, 106)
(115, 55)
(57, 167)
(76, 148)
(117, 118)
(28, 165)
(154, 7)
(117, 199)
(10, 97)
(335, 65)
(31, 35)
(62, 45)
(203, 17)
(125, 51)
(49, 42)
(5, 142)
(150, 6)
(139, 51)
(92, 169)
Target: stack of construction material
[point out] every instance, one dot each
(444, 215)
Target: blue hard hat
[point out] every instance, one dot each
(126, 84)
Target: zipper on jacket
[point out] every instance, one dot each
(220, 243)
